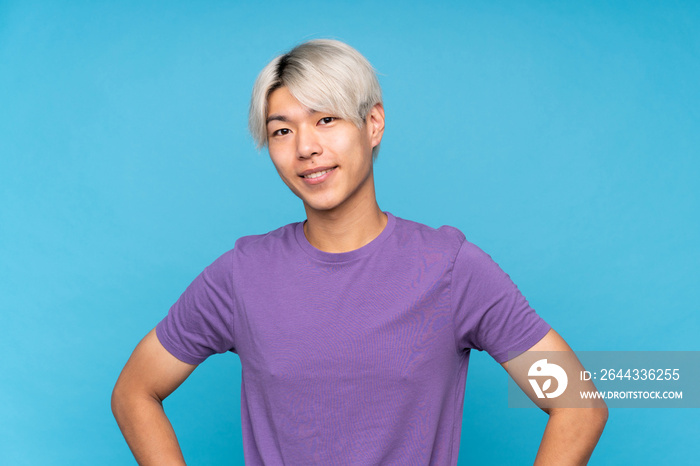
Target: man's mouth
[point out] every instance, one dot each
(316, 174)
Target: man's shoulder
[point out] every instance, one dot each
(270, 242)
(445, 236)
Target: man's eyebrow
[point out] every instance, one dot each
(276, 118)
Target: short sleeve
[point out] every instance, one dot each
(200, 323)
(490, 312)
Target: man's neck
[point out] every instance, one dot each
(346, 228)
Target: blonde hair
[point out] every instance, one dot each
(322, 74)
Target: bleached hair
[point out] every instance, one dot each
(322, 74)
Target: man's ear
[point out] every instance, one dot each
(375, 124)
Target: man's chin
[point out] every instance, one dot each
(321, 207)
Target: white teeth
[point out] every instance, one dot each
(317, 174)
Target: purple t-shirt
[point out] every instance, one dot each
(352, 358)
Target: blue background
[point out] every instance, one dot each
(561, 137)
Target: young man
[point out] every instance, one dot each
(354, 328)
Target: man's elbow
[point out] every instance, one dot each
(591, 418)
(127, 399)
(599, 415)
(119, 401)
(593, 421)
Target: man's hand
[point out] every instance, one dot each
(149, 376)
(572, 432)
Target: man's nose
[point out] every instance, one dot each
(308, 143)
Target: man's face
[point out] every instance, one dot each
(325, 160)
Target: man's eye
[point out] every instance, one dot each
(326, 120)
(281, 132)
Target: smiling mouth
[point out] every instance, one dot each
(313, 175)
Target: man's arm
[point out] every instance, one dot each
(571, 433)
(149, 376)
